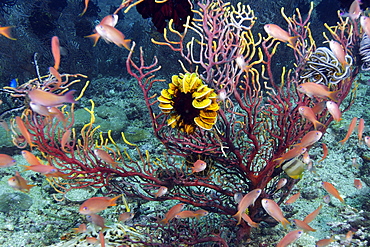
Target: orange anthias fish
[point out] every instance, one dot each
(310, 217)
(7, 160)
(112, 35)
(105, 157)
(247, 200)
(198, 166)
(294, 152)
(303, 225)
(43, 169)
(280, 34)
(25, 133)
(332, 190)
(338, 52)
(19, 183)
(55, 49)
(48, 99)
(273, 209)
(110, 20)
(308, 114)
(351, 127)
(325, 242)
(30, 158)
(5, 31)
(293, 198)
(191, 214)
(291, 237)
(161, 191)
(309, 139)
(172, 213)
(312, 89)
(96, 204)
(334, 110)
(325, 151)
(126, 216)
(360, 129)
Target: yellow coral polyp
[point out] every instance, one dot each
(190, 103)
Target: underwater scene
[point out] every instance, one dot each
(201, 123)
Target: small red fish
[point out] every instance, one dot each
(7, 160)
(96, 220)
(43, 169)
(365, 24)
(19, 183)
(332, 190)
(97, 204)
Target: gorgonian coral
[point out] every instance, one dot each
(190, 103)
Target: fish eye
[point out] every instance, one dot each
(85, 208)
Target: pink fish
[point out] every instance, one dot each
(96, 204)
(199, 166)
(19, 183)
(161, 191)
(172, 213)
(44, 98)
(126, 216)
(291, 237)
(309, 139)
(338, 52)
(273, 209)
(334, 110)
(247, 200)
(7, 160)
(332, 190)
(105, 157)
(280, 34)
(112, 35)
(308, 114)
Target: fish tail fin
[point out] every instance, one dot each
(5, 31)
(126, 44)
(95, 37)
(316, 124)
(334, 96)
(69, 96)
(285, 223)
(293, 40)
(238, 217)
(29, 186)
(113, 200)
(163, 221)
